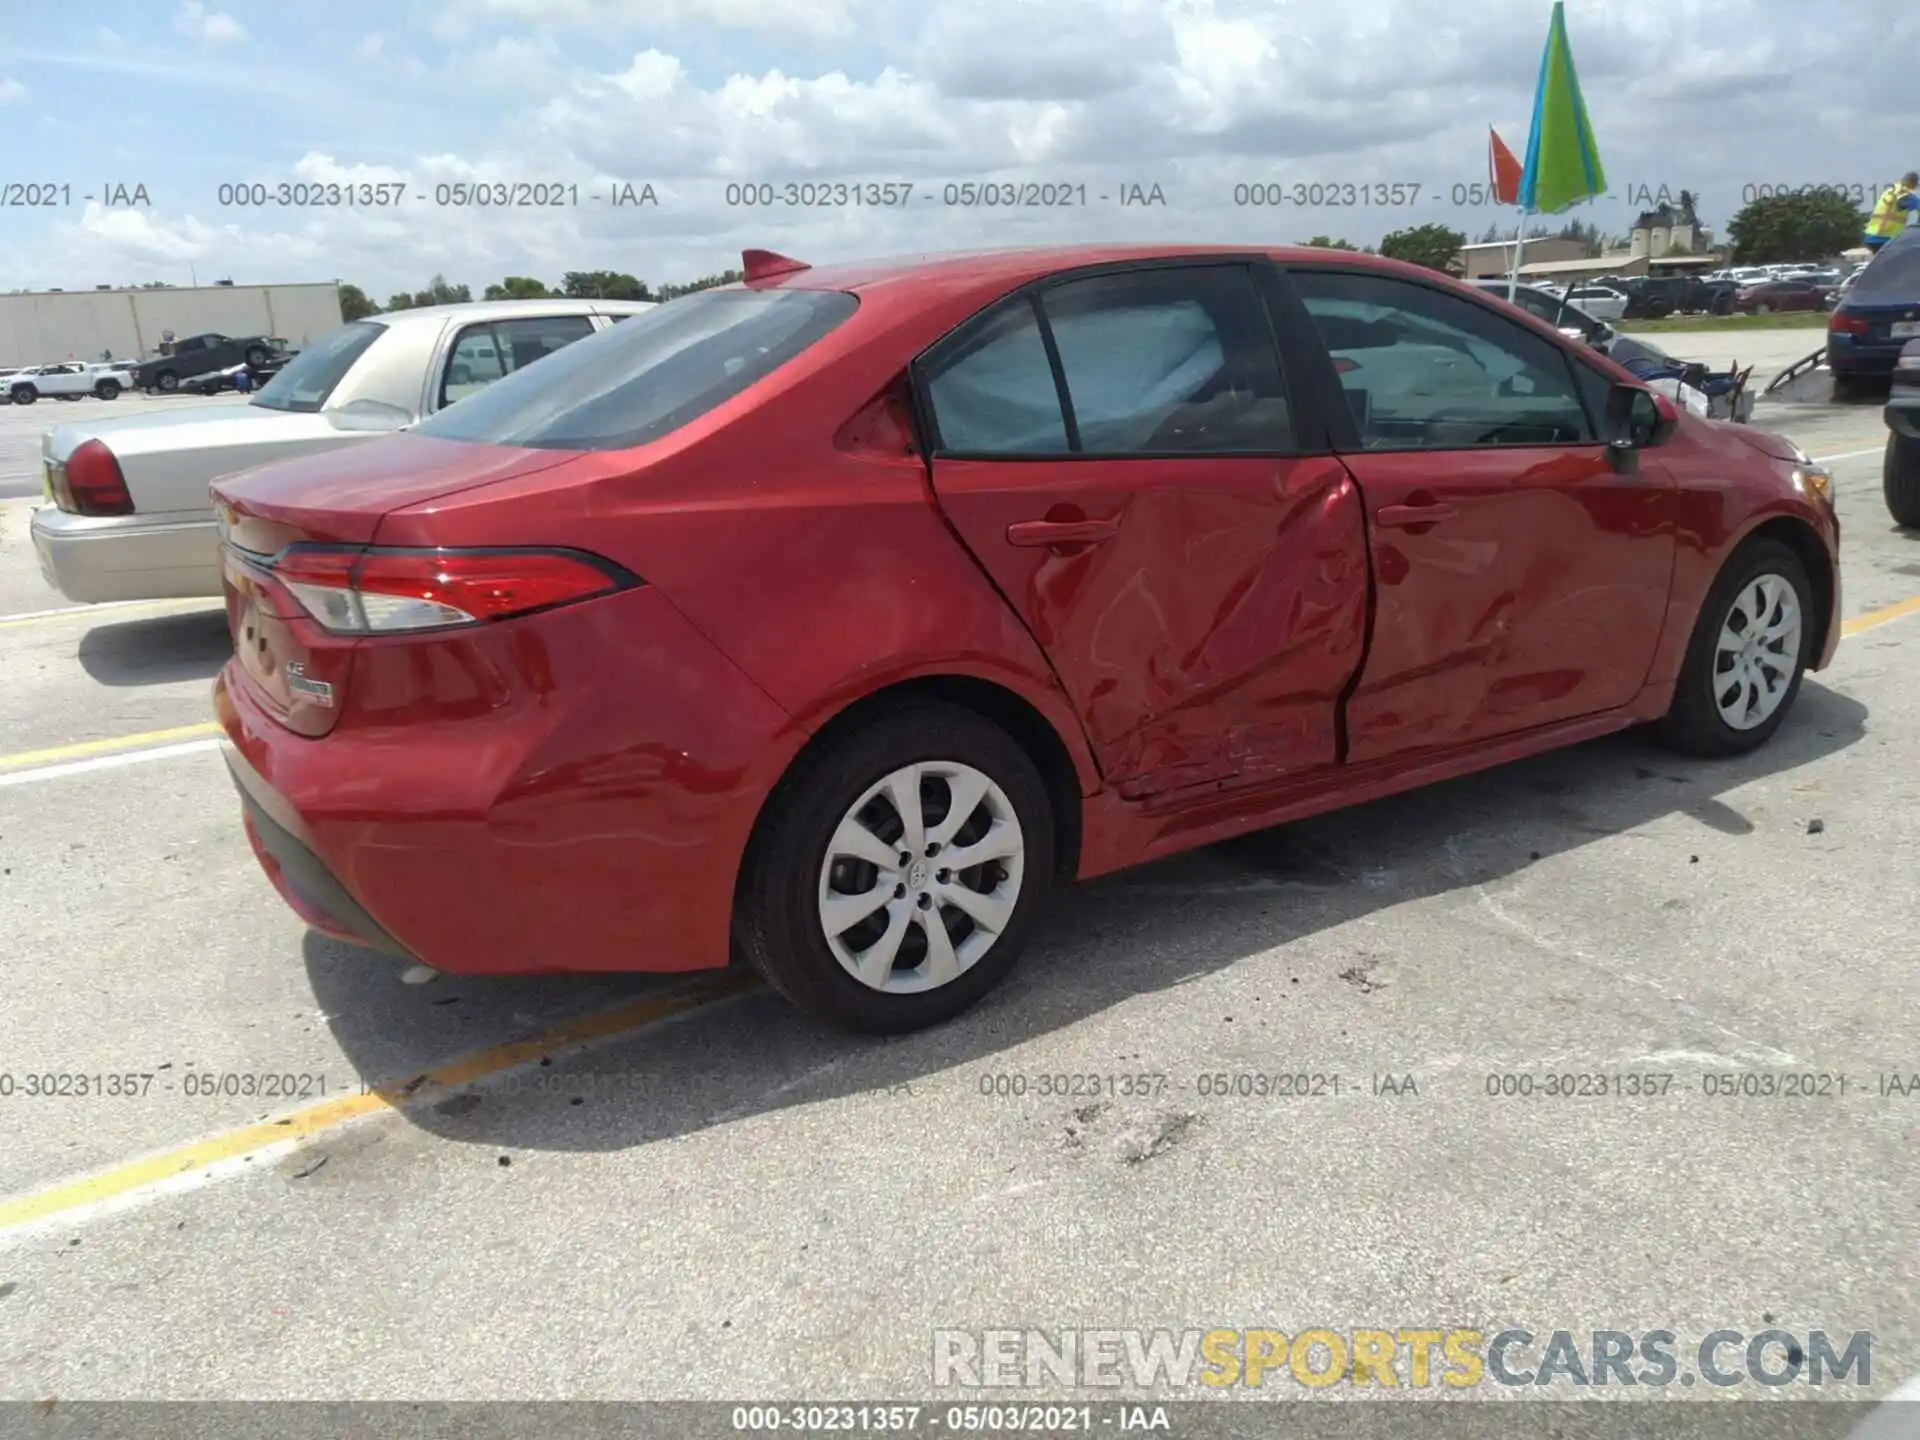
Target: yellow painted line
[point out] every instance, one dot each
(112, 744)
(1881, 616)
(123, 1181)
(108, 611)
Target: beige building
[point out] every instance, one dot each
(52, 325)
(1495, 257)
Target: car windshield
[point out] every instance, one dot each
(312, 375)
(637, 381)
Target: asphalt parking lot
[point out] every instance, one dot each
(630, 1188)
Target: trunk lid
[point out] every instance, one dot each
(295, 668)
(1882, 315)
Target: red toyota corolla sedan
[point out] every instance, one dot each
(825, 621)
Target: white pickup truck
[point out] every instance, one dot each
(68, 380)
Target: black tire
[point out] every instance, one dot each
(1848, 389)
(167, 382)
(1763, 308)
(1693, 724)
(25, 394)
(108, 390)
(777, 926)
(256, 357)
(1900, 481)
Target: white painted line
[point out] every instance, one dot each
(71, 610)
(1848, 455)
(107, 762)
(190, 601)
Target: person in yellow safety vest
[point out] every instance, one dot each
(1894, 211)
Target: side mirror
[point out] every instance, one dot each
(370, 417)
(1637, 420)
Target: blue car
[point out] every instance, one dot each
(1877, 316)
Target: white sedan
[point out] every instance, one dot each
(127, 515)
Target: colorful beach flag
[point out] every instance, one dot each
(1563, 162)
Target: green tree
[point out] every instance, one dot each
(354, 304)
(438, 292)
(603, 285)
(1794, 227)
(519, 287)
(1434, 246)
(1325, 242)
(705, 282)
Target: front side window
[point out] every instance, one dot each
(630, 384)
(306, 381)
(1425, 370)
(491, 351)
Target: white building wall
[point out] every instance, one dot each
(81, 324)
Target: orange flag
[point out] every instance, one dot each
(1504, 169)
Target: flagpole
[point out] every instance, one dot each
(1519, 245)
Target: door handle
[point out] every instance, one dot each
(1061, 532)
(1403, 515)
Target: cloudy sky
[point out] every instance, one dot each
(1378, 106)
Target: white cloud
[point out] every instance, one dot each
(823, 18)
(213, 27)
(371, 47)
(12, 92)
(1196, 96)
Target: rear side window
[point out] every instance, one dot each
(635, 382)
(1166, 361)
(1175, 361)
(995, 394)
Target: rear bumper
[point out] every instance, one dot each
(92, 559)
(1847, 356)
(578, 798)
(301, 877)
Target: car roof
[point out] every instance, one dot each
(1007, 269)
(506, 309)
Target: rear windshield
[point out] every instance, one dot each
(646, 377)
(312, 375)
(1895, 269)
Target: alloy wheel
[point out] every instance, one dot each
(1757, 653)
(921, 877)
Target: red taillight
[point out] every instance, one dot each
(93, 482)
(1842, 323)
(1343, 366)
(382, 592)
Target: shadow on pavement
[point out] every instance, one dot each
(1103, 944)
(158, 651)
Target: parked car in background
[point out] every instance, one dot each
(1067, 560)
(1554, 307)
(1875, 317)
(1782, 295)
(67, 380)
(128, 517)
(203, 355)
(1603, 302)
(1900, 470)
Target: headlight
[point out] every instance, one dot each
(1811, 479)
